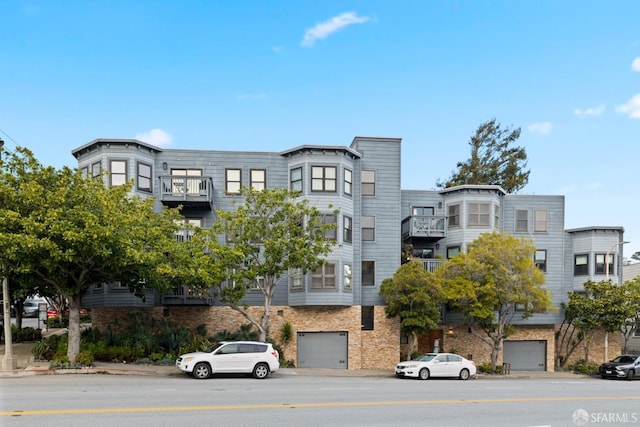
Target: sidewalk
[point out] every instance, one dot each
(27, 366)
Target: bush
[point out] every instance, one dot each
(486, 368)
(25, 334)
(582, 367)
(84, 358)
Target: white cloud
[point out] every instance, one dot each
(541, 128)
(635, 65)
(249, 97)
(631, 108)
(158, 137)
(589, 112)
(276, 49)
(326, 28)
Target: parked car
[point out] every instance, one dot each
(237, 357)
(31, 307)
(437, 365)
(52, 312)
(624, 366)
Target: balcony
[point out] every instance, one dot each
(194, 192)
(425, 227)
(186, 295)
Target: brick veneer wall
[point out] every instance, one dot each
(597, 348)
(377, 349)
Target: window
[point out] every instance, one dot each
(541, 259)
(422, 211)
(296, 278)
(96, 169)
(347, 231)
(600, 263)
(540, 221)
(85, 171)
(144, 177)
(295, 179)
(233, 181)
(258, 284)
(522, 220)
(330, 219)
(479, 214)
(368, 273)
(368, 181)
(183, 181)
(367, 316)
(323, 178)
(324, 277)
(118, 172)
(346, 276)
(186, 230)
(453, 251)
(454, 216)
(258, 179)
(368, 228)
(348, 182)
(581, 265)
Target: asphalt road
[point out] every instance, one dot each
(290, 400)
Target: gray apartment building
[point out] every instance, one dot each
(339, 321)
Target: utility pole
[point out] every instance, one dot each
(9, 361)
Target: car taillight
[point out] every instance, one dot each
(275, 354)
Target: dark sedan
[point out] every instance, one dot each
(624, 366)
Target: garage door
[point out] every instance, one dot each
(322, 349)
(526, 355)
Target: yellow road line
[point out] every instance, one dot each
(303, 405)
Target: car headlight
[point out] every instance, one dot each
(188, 359)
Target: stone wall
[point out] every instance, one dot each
(377, 349)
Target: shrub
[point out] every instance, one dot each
(84, 358)
(582, 367)
(486, 368)
(26, 334)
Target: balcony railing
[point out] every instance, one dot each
(431, 264)
(429, 226)
(188, 191)
(186, 295)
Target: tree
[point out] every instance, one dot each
(494, 160)
(75, 232)
(601, 305)
(493, 284)
(272, 232)
(416, 297)
(632, 301)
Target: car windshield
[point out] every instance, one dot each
(214, 347)
(426, 357)
(624, 359)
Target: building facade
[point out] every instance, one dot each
(379, 224)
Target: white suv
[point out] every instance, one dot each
(238, 357)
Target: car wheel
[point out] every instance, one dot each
(423, 374)
(464, 374)
(630, 373)
(201, 371)
(261, 371)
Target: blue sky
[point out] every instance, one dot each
(271, 75)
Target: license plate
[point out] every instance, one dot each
(608, 372)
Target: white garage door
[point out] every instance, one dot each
(526, 355)
(322, 349)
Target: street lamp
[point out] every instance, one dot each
(606, 259)
(606, 278)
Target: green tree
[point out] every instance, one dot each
(416, 297)
(76, 232)
(602, 305)
(272, 232)
(494, 160)
(493, 284)
(632, 301)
